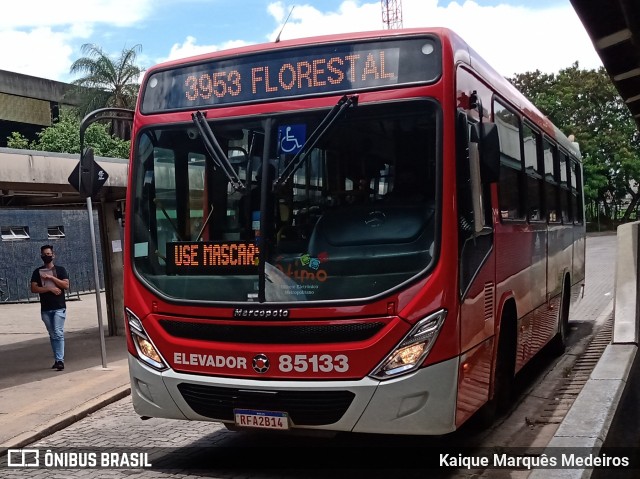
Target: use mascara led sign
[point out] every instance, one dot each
(291, 72)
(211, 257)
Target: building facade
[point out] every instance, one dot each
(28, 104)
(25, 231)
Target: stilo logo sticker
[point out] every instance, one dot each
(261, 363)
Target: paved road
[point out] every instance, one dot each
(208, 450)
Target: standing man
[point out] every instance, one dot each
(49, 282)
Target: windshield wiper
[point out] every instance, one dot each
(335, 113)
(215, 151)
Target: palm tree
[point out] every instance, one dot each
(107, 82)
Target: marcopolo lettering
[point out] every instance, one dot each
(260, 313)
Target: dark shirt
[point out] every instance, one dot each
(50, 301)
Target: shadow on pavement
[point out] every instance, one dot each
(31, 360)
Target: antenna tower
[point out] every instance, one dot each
(391, 13)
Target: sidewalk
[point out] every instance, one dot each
(36, 400)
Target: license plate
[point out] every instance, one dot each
(261, 419)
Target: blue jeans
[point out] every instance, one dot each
(54, 321)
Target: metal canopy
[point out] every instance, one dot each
(614, 29)
(31, 178)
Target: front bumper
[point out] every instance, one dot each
(421, 403)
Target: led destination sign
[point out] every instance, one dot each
(211, 257)
(308, 70)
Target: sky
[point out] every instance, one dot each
(43, 37)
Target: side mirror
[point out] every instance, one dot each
(484, 167)
(490, 153)
(486, 136)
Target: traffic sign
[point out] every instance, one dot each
(88, 176)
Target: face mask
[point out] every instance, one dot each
(47, 259)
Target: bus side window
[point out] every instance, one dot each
(576, 192)
(551, 184)
(511, 172)
(530, 147)
(564, 188)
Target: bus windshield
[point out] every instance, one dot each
(355, 218)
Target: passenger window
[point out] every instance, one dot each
(564, 188)
(530, 142)
(551, 187)
(510, 201)
(576, 192)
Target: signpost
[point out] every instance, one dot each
(88, 178)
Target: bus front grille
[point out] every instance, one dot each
(305, 408)
(268, 334)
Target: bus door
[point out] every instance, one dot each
(476, 271)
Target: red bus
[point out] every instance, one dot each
(369, 232)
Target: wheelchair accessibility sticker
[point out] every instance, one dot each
(291, 138)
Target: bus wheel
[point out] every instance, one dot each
(504, 373)
(559, 342)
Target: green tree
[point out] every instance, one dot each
(107, 81)
(18, 141)
(586, 104)
(64, 137)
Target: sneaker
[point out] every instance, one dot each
(59, 365)
(55, 365)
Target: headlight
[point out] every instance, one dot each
(413, 349)
(145, 348)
